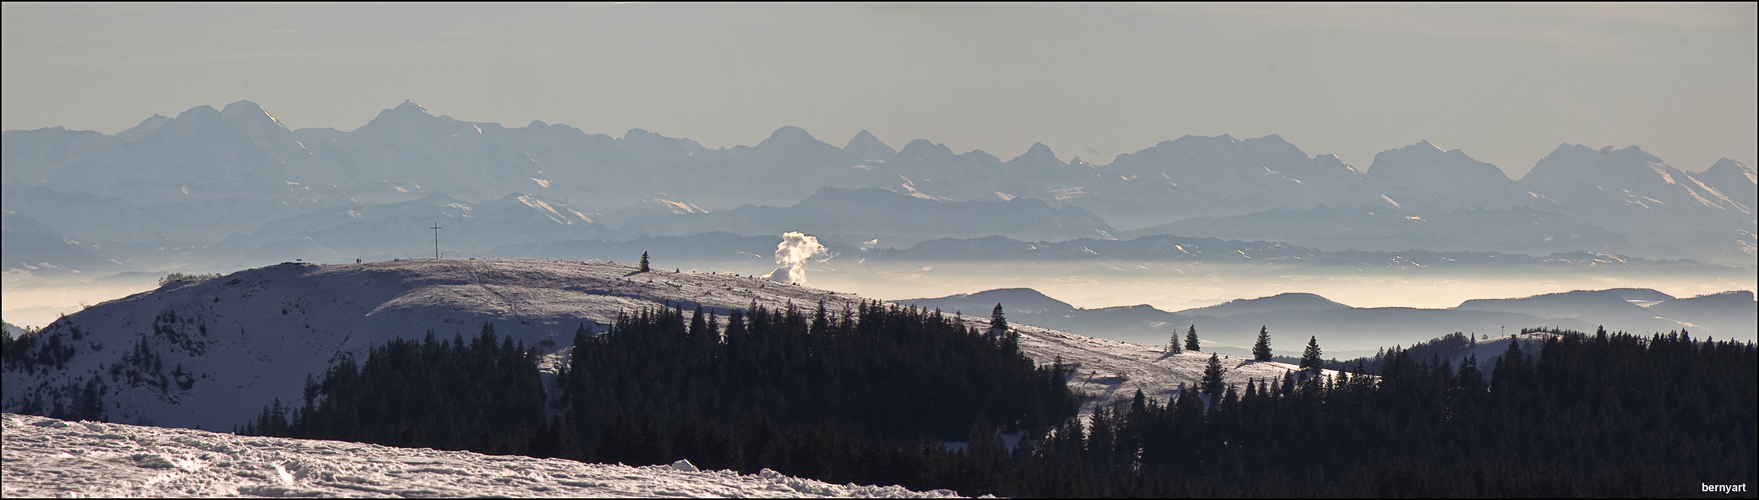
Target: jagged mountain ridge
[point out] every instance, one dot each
(1422, 177)
(1633, 192)
(243, 163)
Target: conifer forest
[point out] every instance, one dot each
(884, 394)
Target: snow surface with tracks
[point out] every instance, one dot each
(44, 457)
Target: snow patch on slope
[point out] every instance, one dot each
(46, 457)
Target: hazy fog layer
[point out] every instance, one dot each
(1177, 286)
(32, 300)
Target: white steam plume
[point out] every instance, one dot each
(791, 255)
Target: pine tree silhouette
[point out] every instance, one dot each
(998, 322)
(1261, 349)
(1212, 376)
(1310, 358)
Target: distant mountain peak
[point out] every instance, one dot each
(411, 105)
(869, 148)
(1038, 154)
(198, 111)
(1292, 301)
(1330, 161)
(1629, 168)
(981, 155)
(406, 113)
(1738, 182)
(150, 124)
(789, 135)
(1421, 145)
(1272, 138)
(244, 106)
(1723, 164)
(922, 149)
(1425, 166)
(1012, 299)
(246, 112)
(791, 132)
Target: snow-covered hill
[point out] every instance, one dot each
(1108, 370)
(47, 457)
(227, 346)
(213, 353)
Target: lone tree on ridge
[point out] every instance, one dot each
(1261, 349)
(1310, 359)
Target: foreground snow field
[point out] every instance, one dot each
(44, 457)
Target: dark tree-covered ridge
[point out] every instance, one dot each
(1591, 415)
(484, 394)
(1584, 415)
(895, 371)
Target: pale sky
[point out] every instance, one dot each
(1506, 83)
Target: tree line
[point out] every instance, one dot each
(1591, 415)
(874, 395)
(870, 395)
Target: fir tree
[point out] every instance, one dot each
(998, 322)
(1191, 340)
(1261, 349)
(1310, 358)
(1173, 346)
(1212, 376)
(644, 262)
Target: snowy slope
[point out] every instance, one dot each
(253, 336)
(1487, 350)
(229, 346)
(46, 457)
(1108, 369)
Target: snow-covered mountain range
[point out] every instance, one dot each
(46, 457)
(207, 175)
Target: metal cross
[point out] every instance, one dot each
(436, 229)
